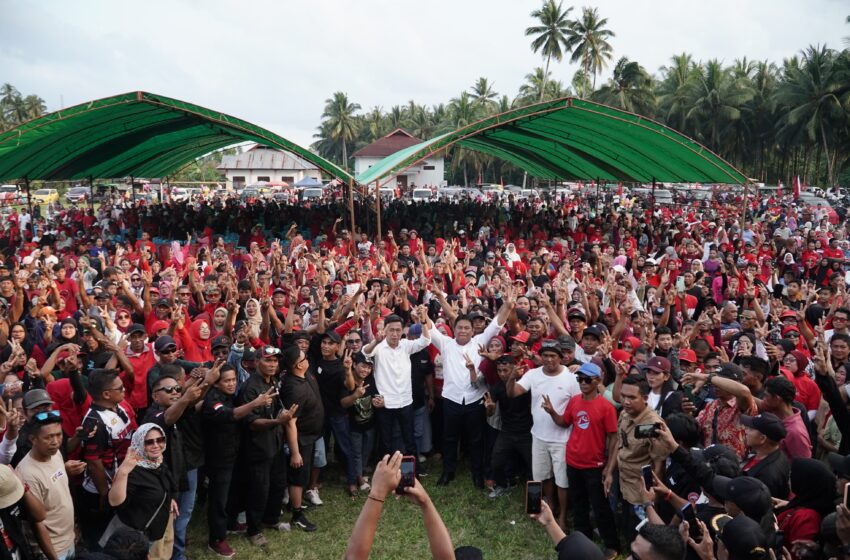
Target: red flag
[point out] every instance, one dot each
(620, 189)
(803, 184)
(796, 187)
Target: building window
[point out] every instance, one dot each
(428, 167)
(239, 180)
(287, 179)
(264, 178)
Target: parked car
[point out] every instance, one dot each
(312, 194)
(421, 195)
(77, 195)
(10, 194)
(45, 196)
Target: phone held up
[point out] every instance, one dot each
(533, 496)
(408, 474)
(646, 473)
(689, 514)
(644, 431)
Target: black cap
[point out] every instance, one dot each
(568, 343)
(476, 315)
(163, 343)
(731, 371)
(243, 285)
(714, 452)
(550, 345)
(505, 359)
(592, 330)
(102, 295)
(300, 335)
(163, 302)
(220, 341)
(840, 464)
(136, 327)
(743, 538)
(576, 312)
(360, 358)
(768, 424)
(332, 335)
(250, 353)
(748, 493)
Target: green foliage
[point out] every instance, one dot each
(16, 109)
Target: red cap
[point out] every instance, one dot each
(521, 336)
(687, 355)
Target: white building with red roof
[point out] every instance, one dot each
(427, 173)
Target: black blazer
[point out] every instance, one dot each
(774, 470)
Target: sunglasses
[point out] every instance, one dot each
(172, 389)
(48, 416)
(155, 441)
(584, 379)
(169, 350)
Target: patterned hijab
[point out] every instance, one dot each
(138, 445)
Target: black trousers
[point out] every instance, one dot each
(93, 520)
(586, 491)
(387, 419)
(217, 498)
(473, 417)
(263, 483)
(506, 447)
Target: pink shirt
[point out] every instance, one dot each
(796, 442)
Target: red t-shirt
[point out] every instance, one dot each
(592, 421)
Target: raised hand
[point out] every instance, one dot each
(547, 405)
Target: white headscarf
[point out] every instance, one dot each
(138, 445)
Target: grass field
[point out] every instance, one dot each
(498, 527)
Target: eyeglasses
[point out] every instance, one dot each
(793, 335)
(172, 389)
(48, 416)
(584, 379)
(120, 388)
(155, 441)
(353, 341)
(169, 350)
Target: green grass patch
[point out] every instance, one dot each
(499, 527)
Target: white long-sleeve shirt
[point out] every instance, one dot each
(393, 376)
(456, 384)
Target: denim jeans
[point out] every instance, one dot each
(185, 503)
(342, 435)
(68, 554)
(361, 448)
(422, 430)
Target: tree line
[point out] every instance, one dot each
(16, 108)
(774, 121)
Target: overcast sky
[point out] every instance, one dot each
(275, 62)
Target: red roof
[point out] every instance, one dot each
(389, 144)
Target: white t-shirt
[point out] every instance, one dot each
(393, 377)
(560, 389)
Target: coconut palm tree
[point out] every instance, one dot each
(629, 88)
(813, 95)
(482, 93)
(716, 101)
(588, 41)
(34, 106)
(538, 87)
(374, 124)
(342, 124)
(550, 37)
(674, 90)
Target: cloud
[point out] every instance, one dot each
(275, 62)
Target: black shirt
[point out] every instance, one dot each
(175, 457)
(220, 429)
(260, 445)
(148, 504)
(362, 413)
(311, 413)
(515, 412)
(421, 367)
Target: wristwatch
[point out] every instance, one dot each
(710, 377)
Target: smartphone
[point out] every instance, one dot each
(680, 284)
(846, 495)
(689, 513)
(533, 496)
(408, 473)
(646, 473)
(645, 431)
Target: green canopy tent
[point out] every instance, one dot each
(573, 138)
(136, 134)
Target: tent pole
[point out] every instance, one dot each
(351, 202)
(378, 209)
(91, 193)
(652, 213)
(744, 206)
(132, 190)
(597, 196)
(29, 205)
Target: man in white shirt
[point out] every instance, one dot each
(464, 388)
(391, 352)
(551, 385)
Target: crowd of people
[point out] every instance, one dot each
(674, 376)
